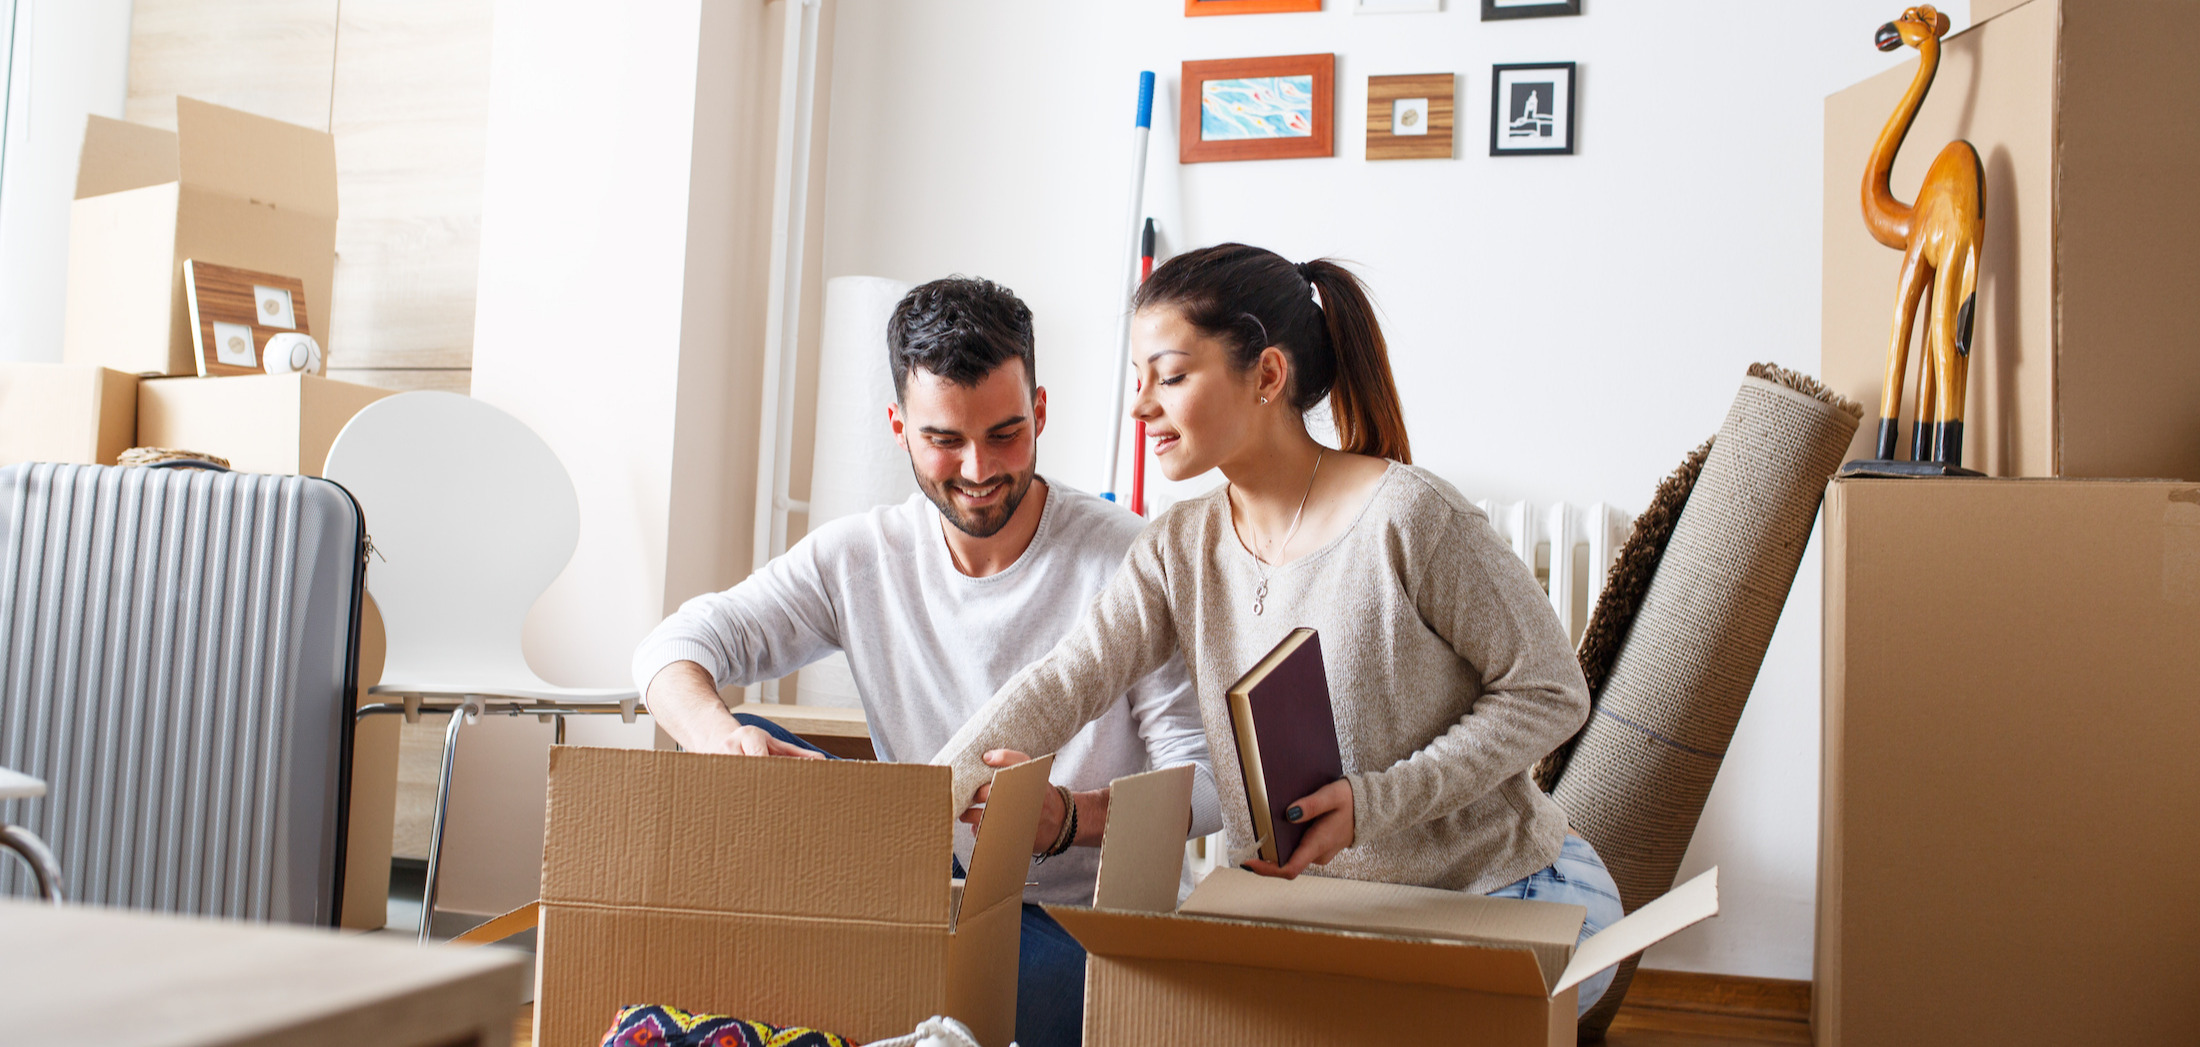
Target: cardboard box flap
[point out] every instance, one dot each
(1546, 929)
(1506, 969)
(120, 155)
(1683, 906)
(255, 158)
(737, 834)
(1142, 854)
(1002, 854)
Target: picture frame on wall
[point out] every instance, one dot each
(1410, 117)
(1197, 8)
(1532, 109)
(1277, 108)
(1499, 10)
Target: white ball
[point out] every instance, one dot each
(292, 352)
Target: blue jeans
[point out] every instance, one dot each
(1050, 965)
(1577, 878)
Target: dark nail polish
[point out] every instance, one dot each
(1248, 867)
(1292, 814)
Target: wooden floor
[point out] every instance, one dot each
(1664, 1009)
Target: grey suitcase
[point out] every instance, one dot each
(178, 661)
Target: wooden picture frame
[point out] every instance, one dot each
(1400, 129)
(1197, 8)
(1259, 108)
(1519, 113)
(1500, 10)
(235, 311)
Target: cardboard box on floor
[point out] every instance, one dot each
(1321, 961)
(74, 413)
(2006, 846)
(2087, 349)
(225, 187)
(261, 423)
(796, 892)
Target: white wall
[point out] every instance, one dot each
(72, 58)
(1562, 327)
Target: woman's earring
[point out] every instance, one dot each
(1264, 401)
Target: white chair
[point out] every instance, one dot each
(470, 517)
(45, 872)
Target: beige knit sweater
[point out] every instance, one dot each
(1448, 672)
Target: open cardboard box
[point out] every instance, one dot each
(796, 892)
(1251, 959)
(225, 187)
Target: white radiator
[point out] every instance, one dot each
(1589, 535)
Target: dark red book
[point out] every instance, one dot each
(1286, 738)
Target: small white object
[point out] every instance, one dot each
(1399, 7)
(1409, 116)
(233, 345)
(15, 785)
(293, 352)
(273, 307)
(936, 1031)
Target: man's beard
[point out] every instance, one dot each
(986, 522)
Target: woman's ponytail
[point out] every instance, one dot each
(1363, 398)
(1252, 298)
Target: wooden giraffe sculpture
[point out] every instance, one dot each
(1939, 239)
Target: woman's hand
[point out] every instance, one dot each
(1327, 815)
(1051, 811)
(756, 741)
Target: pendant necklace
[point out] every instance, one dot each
(1260, 595)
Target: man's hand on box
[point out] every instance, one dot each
(756, 741)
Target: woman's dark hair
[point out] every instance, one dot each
(959, 328)
(1251, 298)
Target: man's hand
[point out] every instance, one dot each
(1092, 808)
(756, 741)
(685, 703)
(1327, 815)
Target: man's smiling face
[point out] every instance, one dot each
(974, 448)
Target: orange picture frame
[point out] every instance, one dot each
(1319, 72)
(1195, 8)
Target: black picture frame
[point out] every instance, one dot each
(1561, 116)
(1492, 12)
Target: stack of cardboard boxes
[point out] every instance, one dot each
(2006, 848)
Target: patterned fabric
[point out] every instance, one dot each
(647, 1026)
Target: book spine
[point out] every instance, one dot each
(1256, 781)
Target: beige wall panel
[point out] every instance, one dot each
(449, 379)
(272, 57)
(410, 116)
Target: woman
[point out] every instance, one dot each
(1449, 675)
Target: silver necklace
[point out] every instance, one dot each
(1260, 595)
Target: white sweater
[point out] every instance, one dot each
(928, 645)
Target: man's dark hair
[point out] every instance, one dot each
(959, 328)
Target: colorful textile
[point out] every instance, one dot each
(648, 1026)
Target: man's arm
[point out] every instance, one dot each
(686, 705)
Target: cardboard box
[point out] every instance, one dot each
(225, 187)
(2006, 844)
(261, 423)
(65, 413)
(1321, 961)
(78, 974)
(2087, 353)
(796, 892)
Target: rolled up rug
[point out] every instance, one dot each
(1639, 771)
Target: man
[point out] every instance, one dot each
(939, 600)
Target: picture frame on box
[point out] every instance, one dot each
(1198, 8)
(1501, 10)
(235, 312)
(1410, 117)
(1277, 108)
(1532, 109)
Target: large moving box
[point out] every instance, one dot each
(261, 423)
(1319, 961)
(73, 413)
(796, 892)
(2007, 850)
(225, 187)
(2086, 117)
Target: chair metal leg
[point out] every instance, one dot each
(557, 730)
(44, 870)
(471, 706)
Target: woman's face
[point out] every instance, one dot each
(1199, 408)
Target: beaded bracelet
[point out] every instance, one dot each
(1068, 834)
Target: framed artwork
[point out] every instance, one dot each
(1409, 117)
(1193, 8)
(235, 311)
(1258, 108)
(1532, 109)
(1498, 10)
